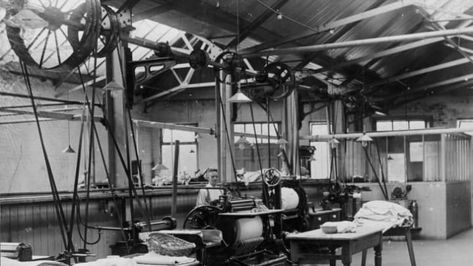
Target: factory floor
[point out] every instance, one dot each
(457, 250)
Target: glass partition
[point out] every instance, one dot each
(411, 158)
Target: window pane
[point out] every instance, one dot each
(465, 123)
(416, 124)
(319, 129)
(319, 167)
(170, 135)
(239, 127)
(187, 159)
(384, 126)
(400, 125)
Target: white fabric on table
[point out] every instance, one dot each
(384, 212)
(152, 258)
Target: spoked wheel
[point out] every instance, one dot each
(48, 44)
(281, 78)
(109, 32)
(201, 217)
(108, 37)
(271, 177)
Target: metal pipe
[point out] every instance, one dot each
(2, 93)
(154, 124)
(395, 38)
(174, 180)
(429, 131)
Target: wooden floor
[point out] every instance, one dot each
(457, 250)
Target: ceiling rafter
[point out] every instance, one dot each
(466, 79)
(418, 72)
(245, 32)
(335, 24)
(384, 53)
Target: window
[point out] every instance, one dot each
(320, 161)
(465, 123)
(390, 125)
(187, 151)
(246, 155)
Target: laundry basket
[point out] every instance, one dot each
(169, 245)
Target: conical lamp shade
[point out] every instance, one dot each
(69, 149)
(365, 138)
(239, 97)
(282, 141)
(113, 86)
(159, 167)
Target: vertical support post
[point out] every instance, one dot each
(293, 132)
(225, 127)
(443, 154)
(339, 127)
(174, 180)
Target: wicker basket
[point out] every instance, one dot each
(169, 245)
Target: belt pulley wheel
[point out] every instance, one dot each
(108, 37)
(51, 47)
(281, 79)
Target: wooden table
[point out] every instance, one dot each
(303, 244)
(398, 231)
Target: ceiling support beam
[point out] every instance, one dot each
(438, 91)
(154, 11)
(419, 72)
(244, 33)
(387, 52)
(335, 24)
(385, 39)
(443, 83)
(465, 79)
(2, 93)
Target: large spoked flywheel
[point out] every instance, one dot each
(201, 217)
(47, 43)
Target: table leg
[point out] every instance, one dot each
(410, 248)
(295, 251)
(333, 262)
(347, 251)
(377, 255)
(363, 257)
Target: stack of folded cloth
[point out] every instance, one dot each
(384, 212)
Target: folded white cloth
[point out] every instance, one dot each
(342, 226)
(10, 262)
(388, 213)
(152, 258)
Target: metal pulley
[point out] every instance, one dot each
(47, 44)
(281, 78)
(198, 59)
(163, 49)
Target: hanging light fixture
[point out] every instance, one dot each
(364, 139)
(239, 97)
(282, 141)
(333, 143)
(69, 149)
(113, 86)
(159, 167)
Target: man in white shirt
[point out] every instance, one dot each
(208, 195)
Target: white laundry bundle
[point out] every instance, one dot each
(389, 213)
(338, 227)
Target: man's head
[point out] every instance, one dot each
(212, 176)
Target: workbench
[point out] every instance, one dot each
(305, 246)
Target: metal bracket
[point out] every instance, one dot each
(150, 68)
